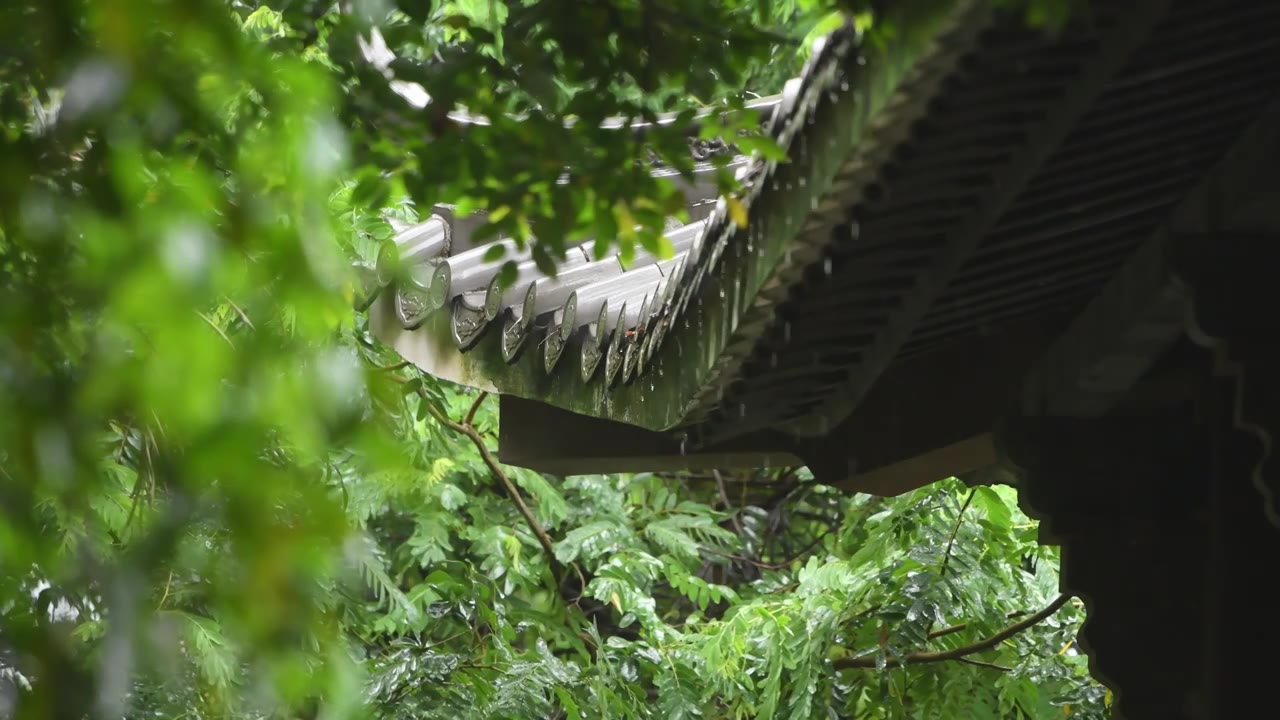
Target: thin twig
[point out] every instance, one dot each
(471, 414)
(478, 440)
(942, 572)
(215, 327)
(728, 506)
(239, 312)
(960, 652)
(980, 663)
(394, 366)
(965, 626)
(167, 584)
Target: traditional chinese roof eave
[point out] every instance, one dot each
(690, 341)
(884, 358)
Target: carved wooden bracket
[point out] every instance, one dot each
(1235, 313)
(1124, 499)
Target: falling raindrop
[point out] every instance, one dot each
(813, 203)
(773, 360)
(844, 85)
(804, 182)
(684, 442)
(826, 266)
(786, 332)
(742, 410)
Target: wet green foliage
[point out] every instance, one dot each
(220, 498)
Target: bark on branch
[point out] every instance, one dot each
(960, 652)
(466, 428)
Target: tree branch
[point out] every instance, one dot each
(965, 626)
(980, 663)
(465, 428)
(471, 414)
(728, 506)
(960, 652)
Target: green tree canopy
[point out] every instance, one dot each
(220, 498)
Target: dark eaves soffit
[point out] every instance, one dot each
(655, 344)
(1042, 164)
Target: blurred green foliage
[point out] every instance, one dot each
(220, 498)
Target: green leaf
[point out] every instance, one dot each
(495, 252)
(371, 192)
(568, 704)
(993, 506)
(507, 275)
(671, 538)
(766, 147)
(452, 498)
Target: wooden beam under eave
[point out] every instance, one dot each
(961, 458)
(930, 417)
(552, 440)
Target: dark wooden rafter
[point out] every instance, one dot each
(835, 161)
(1115, 44)
(1206, 274)
(1143, 308)
(898, 443)
(1146, 141)
(884, 251)
(1113, 179)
